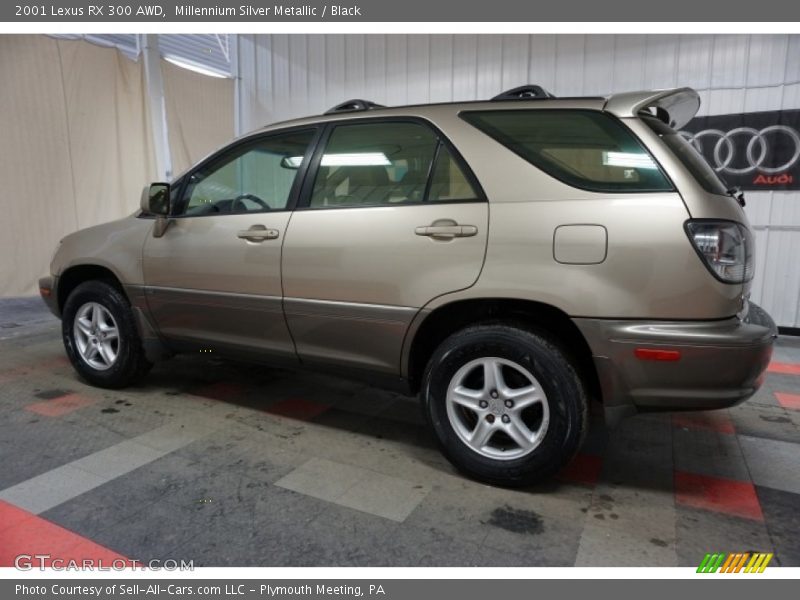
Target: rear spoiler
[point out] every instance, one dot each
(675, 107)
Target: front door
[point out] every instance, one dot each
(213, 279)
(390, 218)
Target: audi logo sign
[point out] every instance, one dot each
(754, 151)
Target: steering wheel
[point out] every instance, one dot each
(238, 200)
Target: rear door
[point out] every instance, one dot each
(390, 217)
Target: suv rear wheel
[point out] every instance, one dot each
(101, 337)
(505, 403)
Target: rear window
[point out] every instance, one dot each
(694, 162)
(585, 149)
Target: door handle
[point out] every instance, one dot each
(446, 229)
(258, 233)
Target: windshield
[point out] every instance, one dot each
(694, 162)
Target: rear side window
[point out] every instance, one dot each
(387, 163)
(585, 149)
(448, 182)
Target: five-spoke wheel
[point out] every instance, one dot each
(101, 336)
(506, 403)
(497, 408)
(96, 336)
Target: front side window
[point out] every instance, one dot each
(585, 149)
(256, 177)
(386, 163)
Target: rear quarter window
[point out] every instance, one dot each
(585, 149)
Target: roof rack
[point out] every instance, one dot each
(354, 105)
(524, 92)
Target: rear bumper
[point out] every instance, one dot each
(721, 363)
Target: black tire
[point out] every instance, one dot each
(130, 364)
(541, 357)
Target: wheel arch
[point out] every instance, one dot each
(445, 320)
(75, 275)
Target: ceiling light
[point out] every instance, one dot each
(192, 66)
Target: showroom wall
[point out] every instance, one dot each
(75, 147)
(199, 111)
(284, 76)
(76, 143)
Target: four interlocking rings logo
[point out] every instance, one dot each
(756, 153)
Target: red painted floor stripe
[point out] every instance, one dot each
(11, 516)
(48, 365)
(787, 400)
(583, 469)
(58, 407)
(736, 498)
(22, 532)
(784, 368)
(718, 421)
(298, 408)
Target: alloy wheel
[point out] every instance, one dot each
(96, 336)
(497, 408)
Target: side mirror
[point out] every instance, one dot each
(155, 199)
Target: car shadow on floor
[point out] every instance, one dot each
(355, 408)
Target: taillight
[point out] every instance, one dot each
(726, 248)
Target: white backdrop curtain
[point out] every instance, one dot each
(76, 145)
(199, 114)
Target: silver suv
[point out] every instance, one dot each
(507, 260)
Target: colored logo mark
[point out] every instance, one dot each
(745, 562)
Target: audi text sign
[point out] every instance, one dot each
(754, 151)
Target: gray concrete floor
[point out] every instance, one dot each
(233, 464)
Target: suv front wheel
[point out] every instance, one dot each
(505, 403)
(101, 337)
